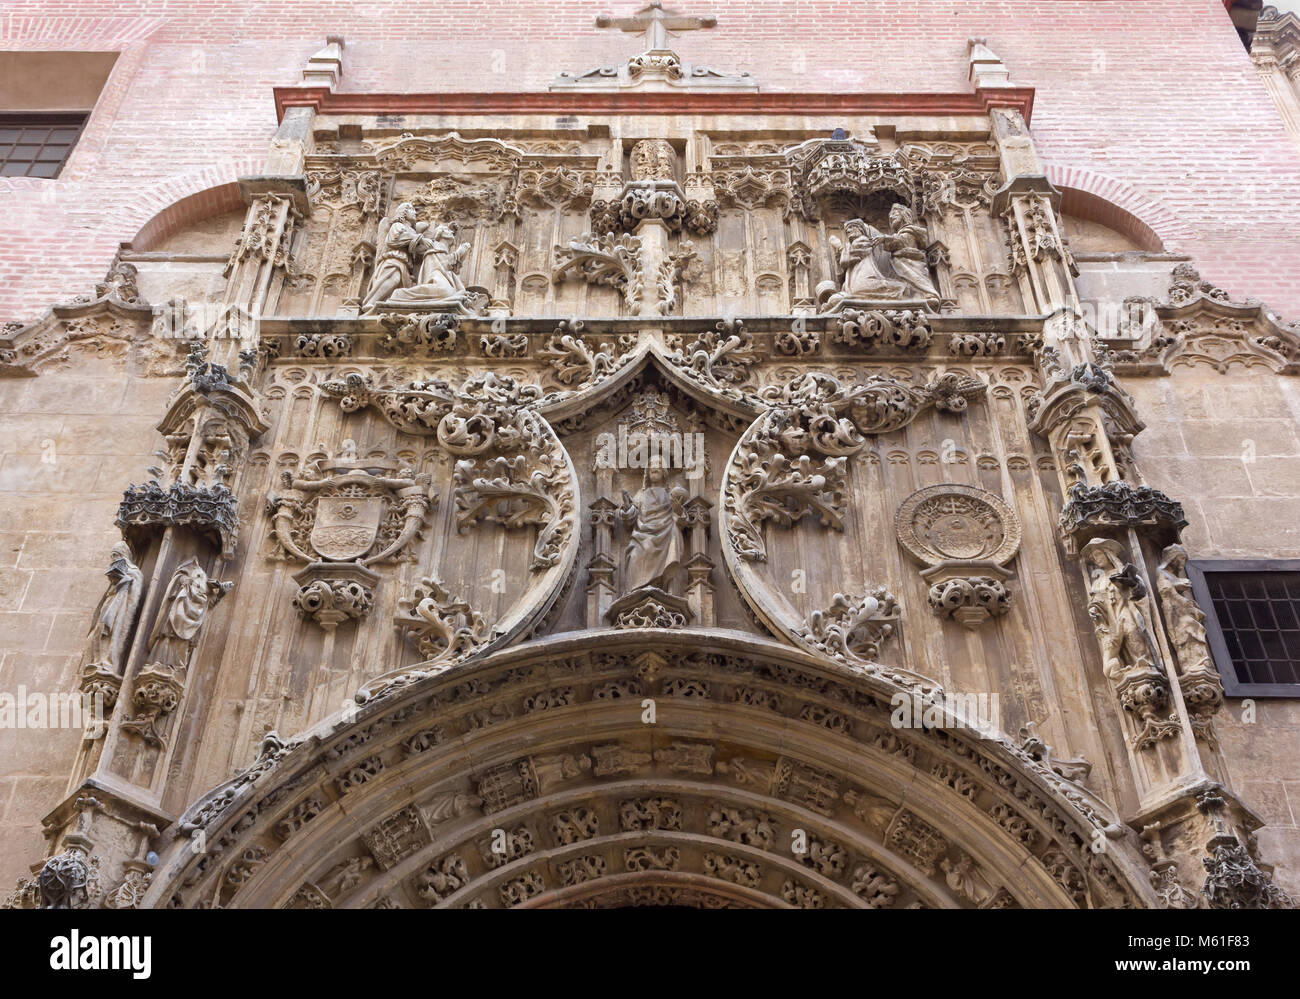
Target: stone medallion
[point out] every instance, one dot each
(951, 522)
(964, 536)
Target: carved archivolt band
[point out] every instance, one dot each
(454, 812)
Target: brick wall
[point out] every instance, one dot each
(1156, 102)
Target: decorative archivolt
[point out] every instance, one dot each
(385, 809)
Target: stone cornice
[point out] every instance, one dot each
(324, 101)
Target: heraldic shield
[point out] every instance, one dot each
(346, 526)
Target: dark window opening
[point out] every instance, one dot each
(1252, 623)
(37, 145)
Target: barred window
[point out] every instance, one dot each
(1252, 623)
(37, 145)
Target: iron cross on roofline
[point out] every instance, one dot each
(655, 23)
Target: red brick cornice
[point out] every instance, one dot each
(325, 101)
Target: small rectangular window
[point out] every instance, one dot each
(37, 145)
(1252, 623)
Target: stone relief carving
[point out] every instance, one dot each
(445, 629)
(189, 598)
(610, 260)
(1197, 676)
(852, 631)
(506, 477)
(418, 264)
(965, 537)
(340, 516)
(1117, 607)
(881, 266)
(792, 462)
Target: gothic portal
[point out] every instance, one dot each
(653, 489)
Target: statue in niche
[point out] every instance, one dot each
(418, 264)
(1113, 592)
(907, 248)
(437, 279)
(653, 159)
(399, 234)
(1186, 619)
(881, 265)
(657, 547)
(116, 611)
(190, 595)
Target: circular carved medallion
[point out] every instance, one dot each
(950, 522)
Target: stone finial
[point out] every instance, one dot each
(986, 67)
(325, 67)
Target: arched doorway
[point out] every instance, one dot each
(647, 768)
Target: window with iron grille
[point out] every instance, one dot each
(1252, 622)
(37, 145)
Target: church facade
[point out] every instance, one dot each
(586, 472)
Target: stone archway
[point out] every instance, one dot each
(530, 779)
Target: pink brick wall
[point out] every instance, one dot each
(1156, 101)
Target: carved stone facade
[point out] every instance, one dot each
(589, 505)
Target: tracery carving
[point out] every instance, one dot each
(445, 629)
(575, 364)
(738, 825)
(774, 474)
(610, 260)
(906, 329)
(719, 358)
(852, 631)
(1118, 504)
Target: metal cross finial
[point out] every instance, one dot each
(655, 23)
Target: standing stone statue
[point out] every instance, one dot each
(657, 548)
(1186, 620)
(399, 236)
(1198, 678)
(116, 611)
(1129, 660)
(190, 595)
(1119, 621)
